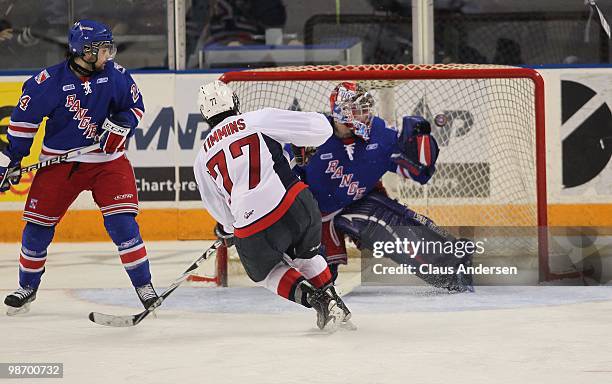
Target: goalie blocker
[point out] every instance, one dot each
(377, 217)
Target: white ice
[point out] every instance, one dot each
(244, 334)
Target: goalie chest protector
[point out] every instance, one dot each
(344, 170)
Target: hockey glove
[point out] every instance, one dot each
(302, 154)
(114, 136)
(418, 149)
(227, 238)
(6, 168)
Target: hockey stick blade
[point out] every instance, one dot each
(132, 320)
(123, 321)
(114, 321)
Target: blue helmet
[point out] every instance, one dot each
(85, 33)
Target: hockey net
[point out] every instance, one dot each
(491, 171)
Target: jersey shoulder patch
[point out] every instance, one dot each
(42, 76)
(118, 67)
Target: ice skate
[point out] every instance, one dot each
(331, 310)
(462, 282)
(147, 295)
(346, 322)
(19, 301)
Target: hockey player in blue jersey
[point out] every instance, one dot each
(344, 174)
(86, 98)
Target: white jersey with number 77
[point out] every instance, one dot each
(242, 171)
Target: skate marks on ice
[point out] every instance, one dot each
(97, 265)
(360, 300)
(528, 345)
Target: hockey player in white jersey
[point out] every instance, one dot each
(247, 185)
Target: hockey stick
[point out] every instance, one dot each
(132, 320)
(54, 160)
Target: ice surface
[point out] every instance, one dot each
(247, 335)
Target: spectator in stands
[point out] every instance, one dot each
(6, 31)
(507, 52)
(233, 21)
(453, 47)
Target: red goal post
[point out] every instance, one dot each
(500, 109)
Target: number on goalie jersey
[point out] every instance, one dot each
(346, 171)
(247, 185)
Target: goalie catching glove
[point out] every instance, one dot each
(7, 166)
(114, 135)
(418, 150)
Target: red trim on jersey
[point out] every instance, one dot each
(287, 281)
(39, 219)
(119, 208)
(31, 264)
(321, 279)
(348, 140)
(18, 128)
(137, 112)
(274, 215)
(134, 256)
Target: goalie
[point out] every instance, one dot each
(344, 175)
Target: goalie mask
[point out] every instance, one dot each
(217, 99)
(353, 106)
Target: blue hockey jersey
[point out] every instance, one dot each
(344, 170)
(76, 108)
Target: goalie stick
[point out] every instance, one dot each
(45, 163)
(132, 320)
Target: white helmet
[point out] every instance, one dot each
(217, 97)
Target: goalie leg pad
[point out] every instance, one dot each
(378, 218)
(125, 233)
(34, 243)
(406, 216)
